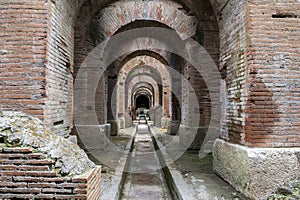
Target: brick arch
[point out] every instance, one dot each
(134, 86)
(146, 78)
(142, 91)
(154, 64)
(154, 53)
(129, 107)
(117, 15)
(185, 5)
(142, 61)
(149, 87)
(98, 5)
(104, 18)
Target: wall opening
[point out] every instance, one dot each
(142, 102)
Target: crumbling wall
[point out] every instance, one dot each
(25, 174)
(38, 163)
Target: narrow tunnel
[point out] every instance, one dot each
(148, 68)
(169, 97)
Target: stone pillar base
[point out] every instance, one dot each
(121, 122)
(114, 127)
(173, 127)
(93, 136)
(165, 123)
(192, 137)
(256, 172)
(128, 121)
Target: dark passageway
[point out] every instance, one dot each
(142, 101)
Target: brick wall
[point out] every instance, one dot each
(37, 60)
(233, 45)
(86, 38)
(28, 175)
(260, 55)
(23, 37)
(273, 74)
(59, 73)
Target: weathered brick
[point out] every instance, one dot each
(55, 179)
(13, 184)
(12, 173)
(17, 150)
(27, 179)
(56, 191)
(41, 173)
(41, 185)
(72, 185)
(44, 196)
(80, 191)
(79, 180)
(5, 178)
(26, 190)
(8, 167)
(12, 156)
(34, 155)
(40, 162)
(33, 168)
(62, 197)
(16, 196)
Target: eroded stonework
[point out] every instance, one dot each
(21, 130)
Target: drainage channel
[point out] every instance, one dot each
(143, 177)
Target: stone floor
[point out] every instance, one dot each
(144, 180)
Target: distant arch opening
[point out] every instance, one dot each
(142, 102)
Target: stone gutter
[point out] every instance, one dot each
(118, 181)
(177, 186)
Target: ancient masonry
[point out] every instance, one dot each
(27, 175)
(247, 90)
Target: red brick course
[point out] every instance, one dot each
(39, 181)
(273, 74)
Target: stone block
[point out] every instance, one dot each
(173, 127)
(114, 127)
(73, 139)
(94, 136)
(128, 120)
(192, 137)
(157, 116)
(256, 172)
(165, 122)
(121, 122)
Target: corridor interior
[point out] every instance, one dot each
(150, 69)
(170, 99)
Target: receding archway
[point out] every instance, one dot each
(142, 101)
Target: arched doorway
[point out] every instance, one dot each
(142, 101)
